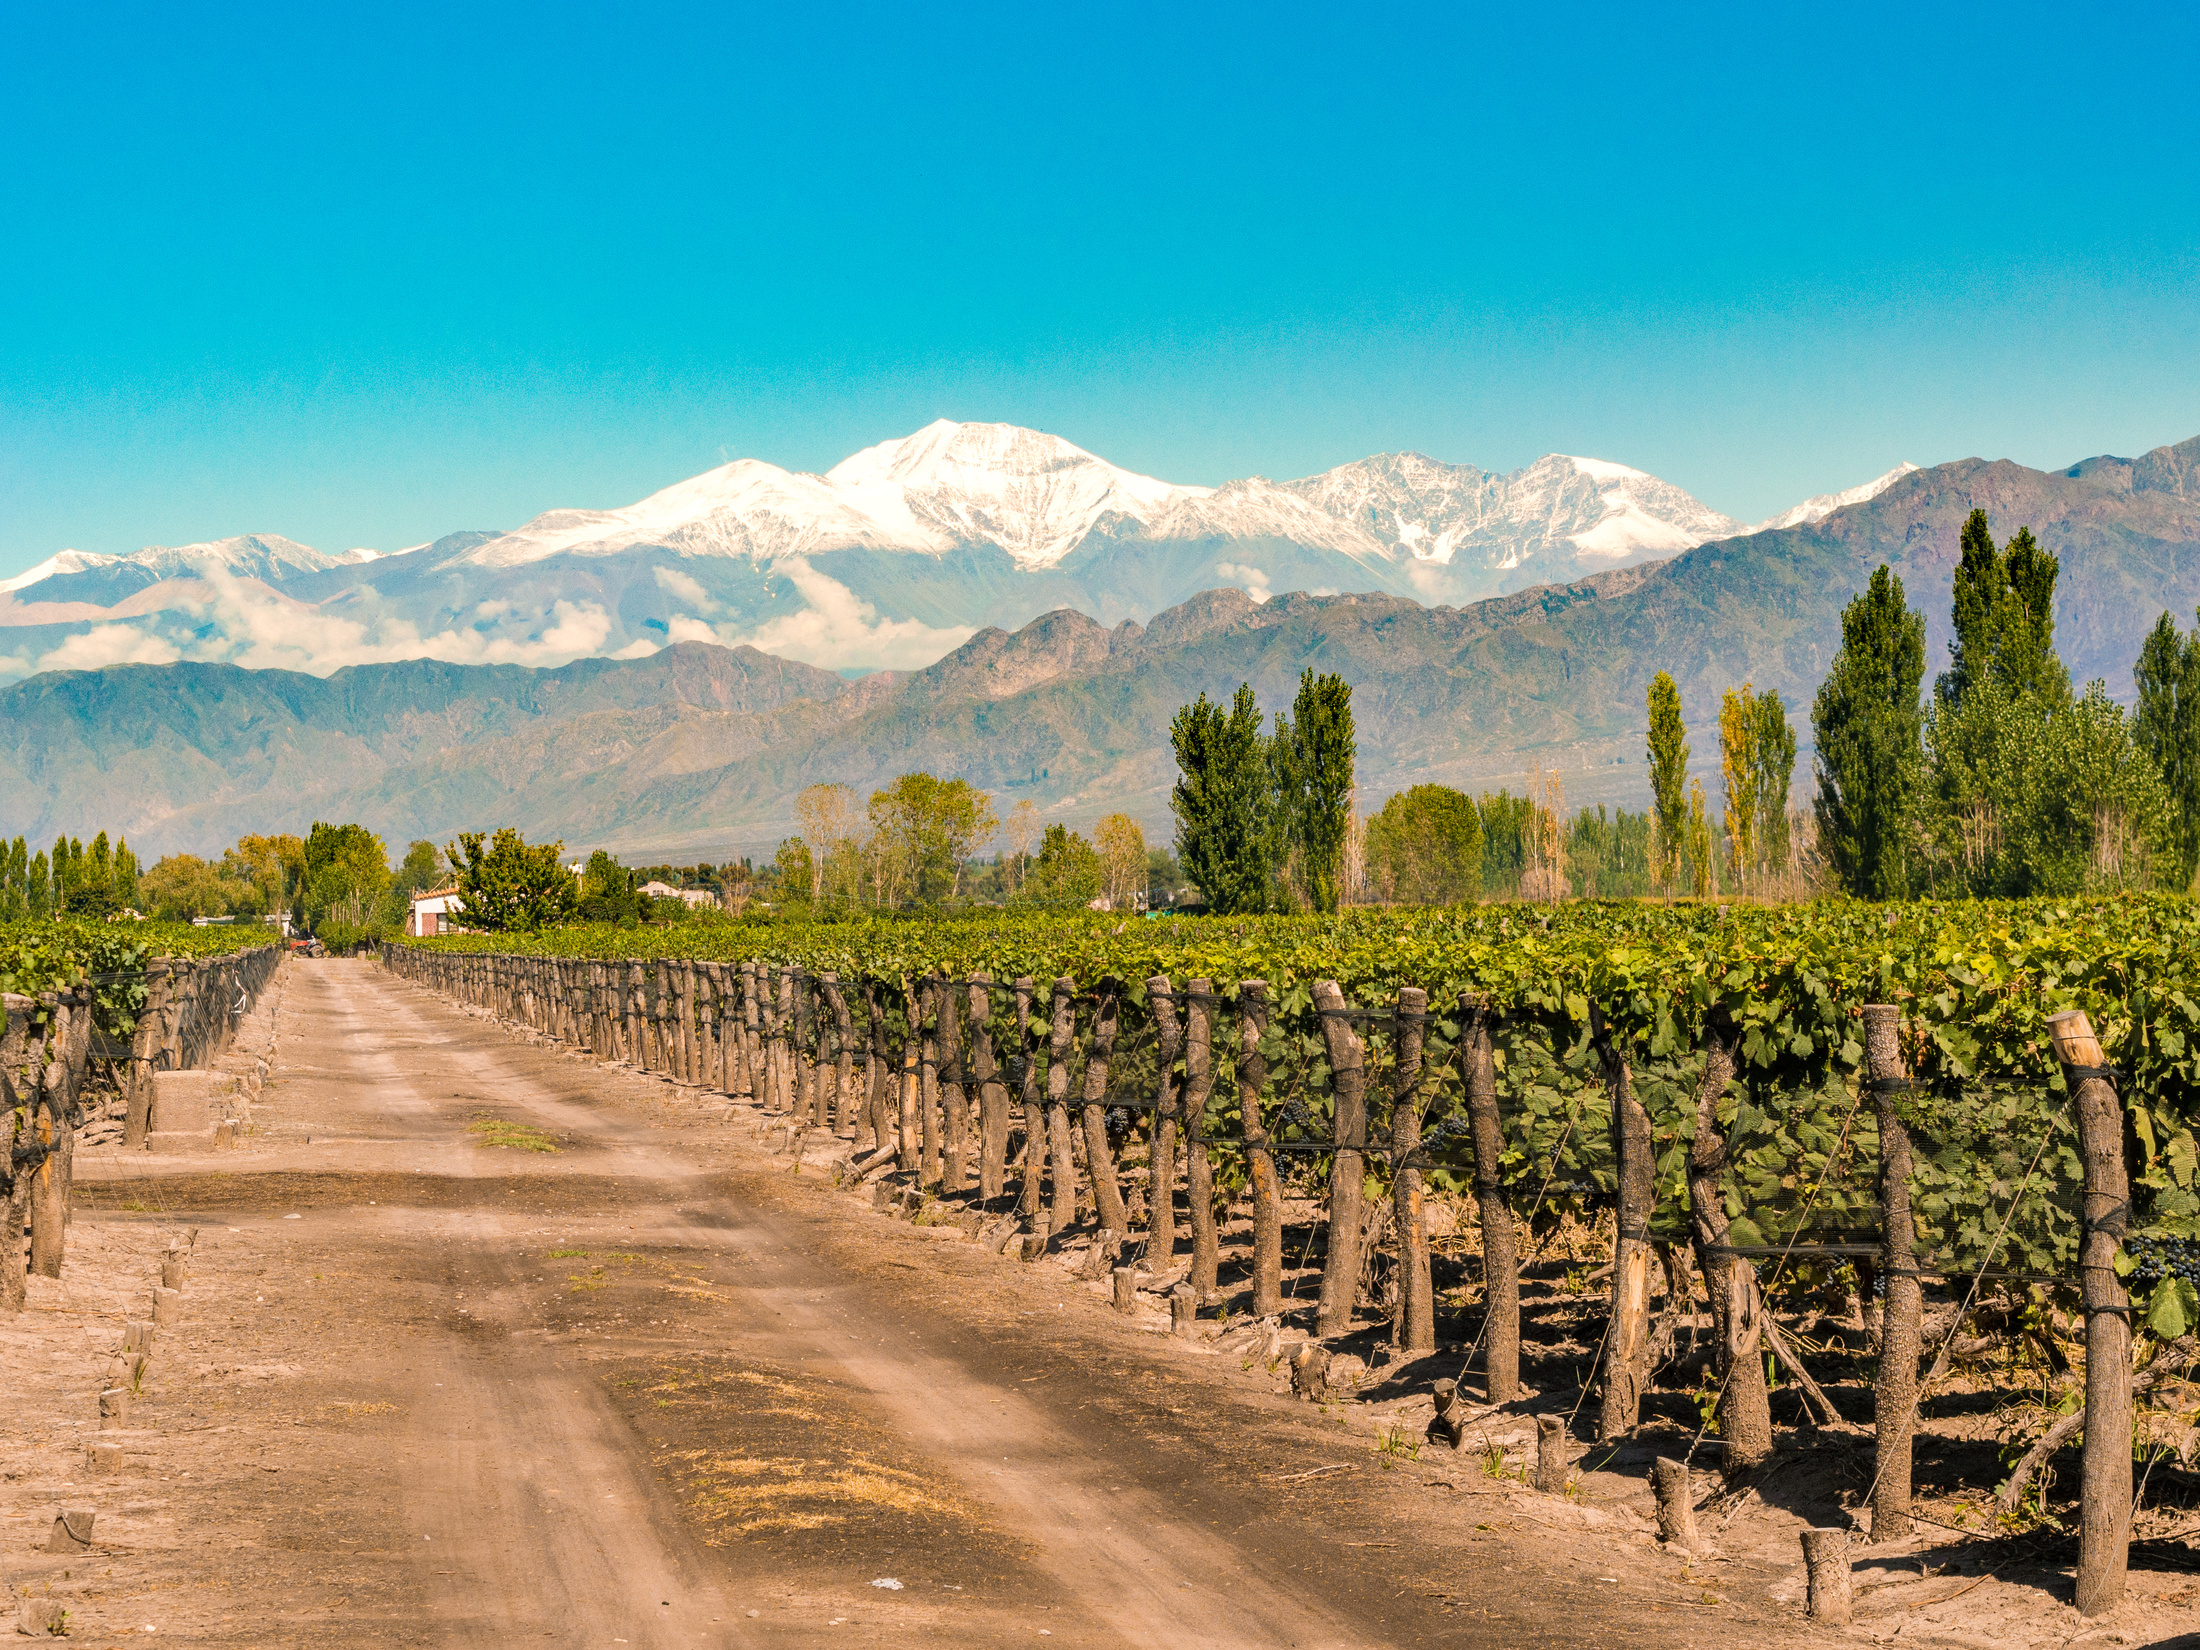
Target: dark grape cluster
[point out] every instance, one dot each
(2153, 1259)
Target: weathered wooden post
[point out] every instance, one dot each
(928, 1075)
(1063, 1213)
(1826, 1558)
(1416, 1292)
(145, 1049)
(1260, 1162)
(954, 1098)
(1025, 1069)
(1199, 1169)
(844, 1057)
(1894, 1391)
(49, 1198)
(1161, 1188)
(906, 1120)
(2104, 1496)
(875, 1072)
(1627, 1341)
(992, 1096)
(1676, 1495)
(1107, 1195)
(1347, 1178)
(1550, 1454)
(1500, 1263)
(1737, 1306)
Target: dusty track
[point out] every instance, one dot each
(649, 1389)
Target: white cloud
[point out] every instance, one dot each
(1253, 579)
(110, 644)
(683, 628)
(687, 589)
(837, 630)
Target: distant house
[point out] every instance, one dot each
(432, 912)
(665, 890)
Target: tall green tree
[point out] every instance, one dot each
(1772, 748)
(933, 825)
(1668, 776)
(1223, 803)
(345, 874)
(2003, 613)
(1868, 727)
(511, 885)
(2168, 730)
(1068, 871)
(1424, 847)
(1315, 748)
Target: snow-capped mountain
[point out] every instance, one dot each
(889, 558)
(1824, 504)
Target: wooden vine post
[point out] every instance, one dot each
(844, 1056)
(992, 1096)
(874, 1070)
(2104, 1495)
(1107, 1195)
(49, 1195)
(1347, 1190)
(752, 1037)
(1063, 1177)
(1627, 1340)
(1199, 1170)
(1737, 1306)
(954, 1095)
(1161, 1190)
(1894, 1390)
(1260, 1162)
(1500, 1262)
(1416, 1293)
(1027, 1102)
(909, 1086)
(928, 1078)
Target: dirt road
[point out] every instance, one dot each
(435, 1386)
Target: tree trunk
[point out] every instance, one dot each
(1260, 1162)
(992, 1095)
(1026, 1070)
(2104, 1496)
(908, 1127)
(1894, 1391)
(1737, 1306)
(1063, 1213)
(1416, 1292)
(1161, 1187)
(1107, 1196)
(1500, 1263)
(954, 1098)
(1199, 1173)
(928, 1071)
(1347, 1191)
(1627, 1341)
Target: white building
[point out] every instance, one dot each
(432, 913)
(665, 890)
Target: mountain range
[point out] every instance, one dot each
(890, 558)
(699, 749)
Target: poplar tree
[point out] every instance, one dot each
(2168, 730)
(1867, 723)
(1668, 775)
(1224, 806)
(1314, 750)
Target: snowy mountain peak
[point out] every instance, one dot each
(55, 566)
(1824, 504)
(1035, 495)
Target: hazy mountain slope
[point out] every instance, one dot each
(701, 749)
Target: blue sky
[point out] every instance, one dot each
(368, 275)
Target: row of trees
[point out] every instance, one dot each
(2001, 782)
(1264, 818)
(334, 875)
(1750, 847)
(915, 843)
(74, 880)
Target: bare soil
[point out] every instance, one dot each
(657, 1385)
